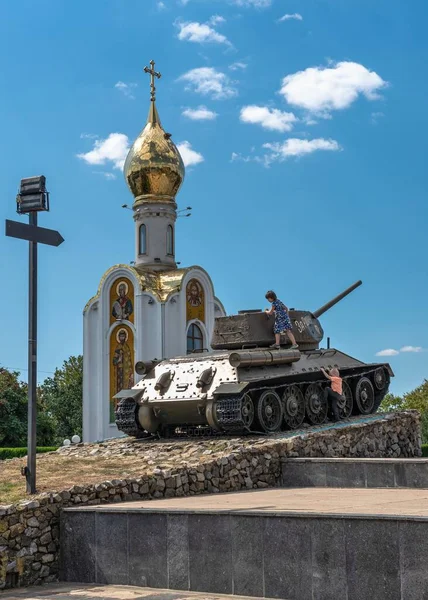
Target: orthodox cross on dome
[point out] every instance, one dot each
(153, 74)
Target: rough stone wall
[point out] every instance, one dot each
(29, 530)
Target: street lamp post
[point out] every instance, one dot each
(32, 199)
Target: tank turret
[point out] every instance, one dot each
(254, 328)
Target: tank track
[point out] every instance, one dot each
(191, 431)
(228, 408)
(126, 419)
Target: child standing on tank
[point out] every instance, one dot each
(282, 320)
(334, 393)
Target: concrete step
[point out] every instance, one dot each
(355, 472)
(300, 544)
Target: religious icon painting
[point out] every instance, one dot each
(122, 301)
(195, 301)
(121, 363)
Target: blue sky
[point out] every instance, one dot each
(302, 123)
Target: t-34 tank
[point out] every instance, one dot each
(243, 385)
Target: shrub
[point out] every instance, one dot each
(425, 450)
(19, 452)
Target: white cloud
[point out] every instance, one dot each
(126, 89)
(111, 150)
(108, 176)
(216, 20)
(309, 120)
(323, 89)
(269, 118)
(375, 116)
(200, 33)
(161, 5)
(295, 16)
(253, 3)
(190, 157)
(209, 82)
(246, 3)
(88, 136)
(202, 113)
(238, 66)
(387, 352)
(411, 349)
(405, 349)
(236, 156)
(299, 147)
(290, 147)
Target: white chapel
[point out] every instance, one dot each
(150, 309)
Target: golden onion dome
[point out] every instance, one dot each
(154, 169)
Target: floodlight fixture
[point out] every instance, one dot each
(32, 196)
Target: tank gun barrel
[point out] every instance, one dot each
(336, 299)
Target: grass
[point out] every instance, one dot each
(7, 489)
(60, 471)
(56, 473)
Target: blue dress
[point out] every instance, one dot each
(282, 320)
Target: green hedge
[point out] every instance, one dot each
(18, 452)
(425, 450)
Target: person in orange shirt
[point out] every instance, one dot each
(333, 393)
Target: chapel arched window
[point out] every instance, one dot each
(195, 338)
(142, 241)
(170, 241)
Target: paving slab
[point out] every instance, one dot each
(76, 591)
(350, 502)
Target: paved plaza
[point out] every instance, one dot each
(377, 502)
(108, 592)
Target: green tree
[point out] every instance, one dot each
(391, 403)
(13, 409)
(416, 399)
(62, 395)
(14, 413)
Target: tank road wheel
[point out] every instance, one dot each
(293, 402)
(381, 381)
(269, 411)
(364, 396)
(247, 410)
(346, 403)
(316, 404)
(380, 378)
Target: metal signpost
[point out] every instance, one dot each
(32, 198)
